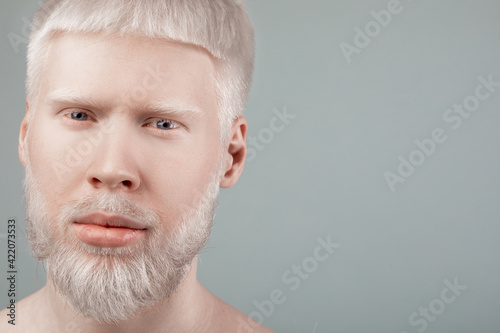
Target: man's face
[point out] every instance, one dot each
(125, 115)
(122, 126)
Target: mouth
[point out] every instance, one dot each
(101, 230)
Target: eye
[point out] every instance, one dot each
(81, 116)
(165, 124)
(165, 127)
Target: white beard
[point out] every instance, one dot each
(111, 284)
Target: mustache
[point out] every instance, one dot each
(110, 203)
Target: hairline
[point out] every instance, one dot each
(49, 37)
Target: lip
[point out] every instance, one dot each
(105, 220)
(103, 230)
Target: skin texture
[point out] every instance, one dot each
(111, 80)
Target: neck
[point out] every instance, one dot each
(188, 308)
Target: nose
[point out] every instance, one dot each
(113, 165)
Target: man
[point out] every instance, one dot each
(133, 122)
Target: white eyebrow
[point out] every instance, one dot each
(67, 95)
(173, 108)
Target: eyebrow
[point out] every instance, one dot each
(69, 96)
(172, 108)
(161, 108)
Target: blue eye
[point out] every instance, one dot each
(165, 124)
(79, 116)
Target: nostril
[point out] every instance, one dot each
(114, 181)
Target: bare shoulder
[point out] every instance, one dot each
(229, 319)
(6, 323)
(18, 317)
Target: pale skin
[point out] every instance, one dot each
(158, 157)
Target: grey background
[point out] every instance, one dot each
(324, 173)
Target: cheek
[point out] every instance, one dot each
(178, 182)
(182, 177)
(49, 157)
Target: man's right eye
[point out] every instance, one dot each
(82, 116)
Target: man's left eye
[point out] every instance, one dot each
(82, 116)
(166, 124)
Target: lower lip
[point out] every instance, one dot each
(100, 236)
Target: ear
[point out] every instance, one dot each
(22, 136)
(236, 153)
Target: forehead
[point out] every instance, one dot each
(120, 70)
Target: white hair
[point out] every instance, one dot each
(222, 27)
(112, 284)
